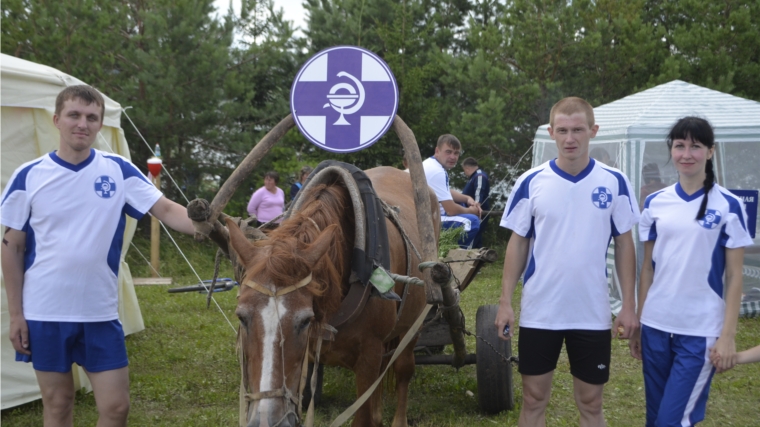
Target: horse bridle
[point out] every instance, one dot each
(261, 289)
(282, 392)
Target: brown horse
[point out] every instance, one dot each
(306, 261)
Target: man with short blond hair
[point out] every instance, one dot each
(563, 215)
(65, 214)
(572, 105)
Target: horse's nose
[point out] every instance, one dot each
(288, 420)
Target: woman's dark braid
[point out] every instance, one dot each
(709, 182)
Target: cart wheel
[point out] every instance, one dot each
(307, 388)
(436, 349)
(494, 374)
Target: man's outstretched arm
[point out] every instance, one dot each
(173, 214)
(452, 208)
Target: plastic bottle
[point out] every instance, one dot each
(157, 151)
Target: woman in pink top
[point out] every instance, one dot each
(268, 201)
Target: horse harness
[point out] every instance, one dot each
(371, 248)
(358, 293)
(284, 392)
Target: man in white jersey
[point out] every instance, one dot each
(447, 152)
(563, 215)
(64, 215)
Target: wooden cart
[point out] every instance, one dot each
(492, 357)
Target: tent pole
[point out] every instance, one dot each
(155, 236)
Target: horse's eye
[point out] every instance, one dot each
(304, 325)
(243, 320)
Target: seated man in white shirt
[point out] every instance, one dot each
(453, 214)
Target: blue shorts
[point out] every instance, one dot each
(95, 346)
(677, 376)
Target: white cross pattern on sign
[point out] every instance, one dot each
(344, 99)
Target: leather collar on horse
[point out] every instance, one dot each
(371, 247)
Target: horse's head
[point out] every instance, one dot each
(277, 315)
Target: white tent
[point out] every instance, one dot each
(28, 102)
(632, 133)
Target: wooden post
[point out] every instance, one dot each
(155, 236)
(433, 292)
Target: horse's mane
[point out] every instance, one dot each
(324, 204)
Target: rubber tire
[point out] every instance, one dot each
(494, 374)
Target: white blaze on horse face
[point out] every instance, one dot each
(271, 323)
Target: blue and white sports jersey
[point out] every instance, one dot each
(570, 221)
(479, 189)
(686, 296)
(74, 218)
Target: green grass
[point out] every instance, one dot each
(184, 372)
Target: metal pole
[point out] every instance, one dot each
(155, 236)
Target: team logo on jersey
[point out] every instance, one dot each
(105, 187)
(711, 219)
(344, 99)
(601, 197)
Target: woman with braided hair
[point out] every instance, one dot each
(694, 232)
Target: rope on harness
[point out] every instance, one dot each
(412, 333)
(391, 214)
(310, 412)
(216, 276)
(253, 285)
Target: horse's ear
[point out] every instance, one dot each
(316, 250)
(239, 242)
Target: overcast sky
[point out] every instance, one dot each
(293, 9)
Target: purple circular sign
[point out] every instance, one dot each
(344, 99)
